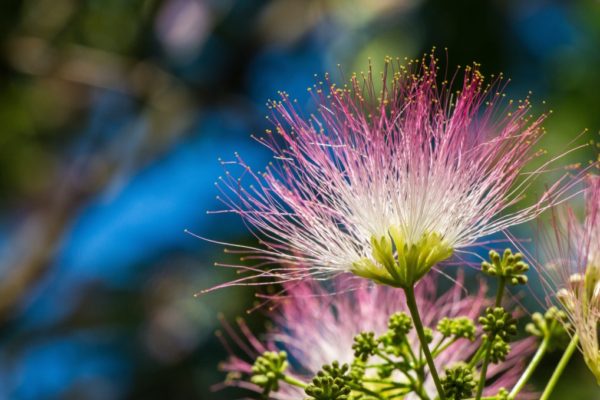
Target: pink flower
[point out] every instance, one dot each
(316, 328)
(402, 163)
(572, 270)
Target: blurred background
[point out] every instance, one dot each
(113, 116)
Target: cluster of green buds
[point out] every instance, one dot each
(510, 266)
(380, 359)
(460, 327)
(364, 345)
(499, 326)
(392, 351)
(395, 338)
(399, 325)
(268, 370)
(459, 382)
(331, 383)
(552, 325)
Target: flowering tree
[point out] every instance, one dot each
(387, 179)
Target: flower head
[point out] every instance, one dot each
(388, 177)
(316, 328)
(573, 270)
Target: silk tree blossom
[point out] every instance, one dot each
(387, 177)
(572, 272)
(316, 328)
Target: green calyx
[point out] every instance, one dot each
(510, 266)
(396, 262)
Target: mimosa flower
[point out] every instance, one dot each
(387, 177)
(316, 328)
(573, 271)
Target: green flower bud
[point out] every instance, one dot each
(400, 324)
(497, 322)
(331, 383)
(502, 394)
(428, 334)
(268, 369)
(459, 327)
(499, 350)
(553, 325)
(364, 345)
(458, 383)
(357, 371)
(510, 266)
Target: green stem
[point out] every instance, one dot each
(475, 358)
(486, 398)
(414, 313)
(439, 344)
(420, 385)
(409, 352)
(530, 368)
(500, 292)
(560, 367)
(366, 391)
(294, 382)
(440, 349)
(488, 352)
(384, 357)
(484, 366)
(396, 385)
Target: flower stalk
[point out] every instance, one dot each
(414, 312)
(490, 342)
(562, 364)
(533, 364)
